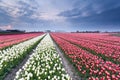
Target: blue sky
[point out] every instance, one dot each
(67, 15)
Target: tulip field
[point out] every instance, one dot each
(8, 40)
(11, 56)
(43, 64)
(104, 46)
(94, 56)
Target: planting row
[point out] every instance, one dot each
(8, 40)
(98, 37)
(89, 66)
(43, 64)
(104, 50)
(10, 57)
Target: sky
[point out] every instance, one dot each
(60, 15)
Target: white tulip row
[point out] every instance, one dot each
(43, 64)
(10, 57)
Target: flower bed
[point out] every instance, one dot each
(43, 64)
(9, 40)
(107, 49)
(10, 57)
(89, 66)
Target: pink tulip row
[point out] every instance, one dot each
(111, 51)
(8, 40)
(90, 66)
(103, 37)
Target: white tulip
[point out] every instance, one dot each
(42, 61)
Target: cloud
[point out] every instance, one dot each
(106, 12)
(7, 27)
(10, 7)
(85, 8)
(96, 6)
(59, 12)
(30, 11)
(16, 9)
(109, 16)
(5, 18)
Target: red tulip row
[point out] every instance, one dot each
(103, 38)
(105, 50)
(8, 40)
(90, 66)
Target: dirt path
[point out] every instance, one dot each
(67, 65)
